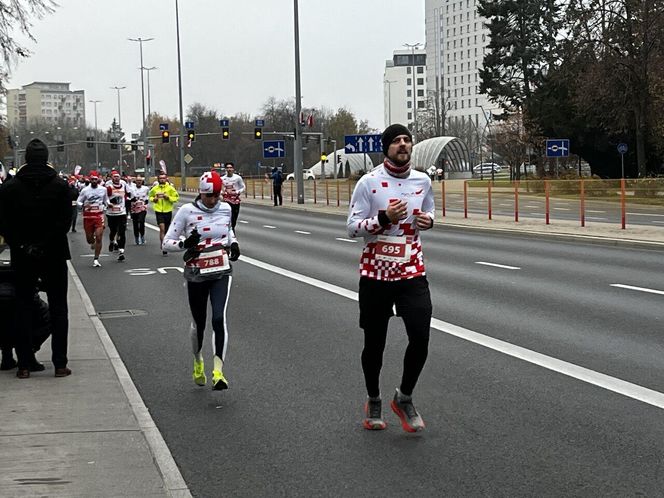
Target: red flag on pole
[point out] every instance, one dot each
(310, 121)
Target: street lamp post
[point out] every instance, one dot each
(95, 102)
(147, 70)
(145, 144)
(412, 47)
(389, 100)
(297, 153)
(118, 88)
(183, 172)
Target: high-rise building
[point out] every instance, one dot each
(404, 86)
(49, 101)
(456, 41)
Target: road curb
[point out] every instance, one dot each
(174, 483)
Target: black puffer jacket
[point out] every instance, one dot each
(35, 212)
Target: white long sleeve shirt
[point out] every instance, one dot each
(117, 194)
(139, 198)
(93, 200)
(393, 252)
(213, 225)
(233, 188)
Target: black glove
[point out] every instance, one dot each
(235, 252)
(191, 253)
(193, 239)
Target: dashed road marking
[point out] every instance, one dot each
(646, 214)
(269, 226)
(496, 265)
(302, 232)
(640, 289)
(244, 222)
(347, 240)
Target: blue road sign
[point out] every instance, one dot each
(362, 144)
(163, 126)
(260, 123)
(224, 122)
(189, 125)
(558, 147)
(274, 148)
(622, 149)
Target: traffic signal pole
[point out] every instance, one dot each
(297, 153)
(183, 172)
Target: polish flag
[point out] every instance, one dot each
(77, 170)
(310, 121)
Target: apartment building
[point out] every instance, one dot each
(50, 101)
(404, 86)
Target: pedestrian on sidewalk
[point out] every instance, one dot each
(277, 178)
(233, 189)
(389, 207)
(35, 216)
(163, 196)
(203, 230)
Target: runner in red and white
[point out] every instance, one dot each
(93, 199)
(139, 208)
(233, 189)
(116, 214)
(203, 229)
(389, 208)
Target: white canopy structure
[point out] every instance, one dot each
(356, 163)
(447, 153)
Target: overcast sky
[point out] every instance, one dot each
(235, 54)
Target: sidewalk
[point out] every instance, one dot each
(605, 233)
(85, 435)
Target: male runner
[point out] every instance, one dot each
(233, 189)
(93, 199)
(389, 208)
(116, 214)
(163, 196)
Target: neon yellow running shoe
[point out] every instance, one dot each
(219, 382)
(199, 373)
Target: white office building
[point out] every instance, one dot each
(50, 101)
(456, 40)
(404, 86)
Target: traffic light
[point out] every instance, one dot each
(134, 145)
(165, 136)
(191, 135)
(89, 143)
(10, 142)
(258, 133)
(323, 158)
(61, 146)
(225, 133)
(114, 143)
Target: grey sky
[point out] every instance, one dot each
(235, 54)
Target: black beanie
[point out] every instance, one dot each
(392, 132)
(36, 152)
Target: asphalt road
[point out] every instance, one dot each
(501, 421)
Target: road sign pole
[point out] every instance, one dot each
(622, 165)
(297, 153)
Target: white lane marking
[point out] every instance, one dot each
(497, 265)
(640, 289)
(634, 391)
(302, 232)
(591, 211)
(531, 206)
(269, 226)
(242, 221)
(646, 214)
(595, 218)
(347, 240)
(562, 209)
(659, 222)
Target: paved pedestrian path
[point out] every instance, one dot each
(85, 435)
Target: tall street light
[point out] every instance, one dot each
(412, 47)
(147, 70)
(118, 88)
(95, 102)
(183, 173)
(389, 100)
(145, 141)
(297, 153)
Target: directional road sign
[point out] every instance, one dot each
(163, 126)
(189, 125)
(362, 144)
(558, 147)
(260, 123)
(224, 122)
(622, 148)
(274, 148)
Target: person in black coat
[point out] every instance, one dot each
(35, 216)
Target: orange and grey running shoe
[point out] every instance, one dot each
(402, 405)
(373, 420)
